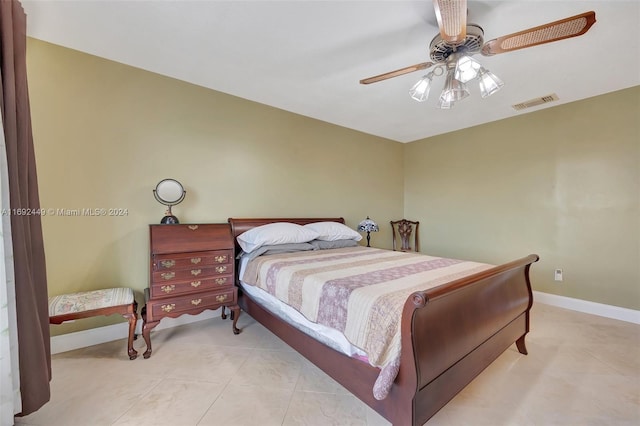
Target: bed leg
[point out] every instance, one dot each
(522, 348)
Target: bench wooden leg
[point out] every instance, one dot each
(133, 320)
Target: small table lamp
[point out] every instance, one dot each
(368, 226)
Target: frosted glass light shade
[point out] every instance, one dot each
(467, 69)
(489, 83)
(454, 90)
(420, 90)
(443, 104)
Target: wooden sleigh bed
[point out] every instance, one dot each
(449, 335)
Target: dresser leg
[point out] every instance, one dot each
(146, 331)
(235, 313)
(223, 315)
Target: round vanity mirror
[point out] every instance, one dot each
(169, 192)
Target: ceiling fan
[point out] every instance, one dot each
(451, 51)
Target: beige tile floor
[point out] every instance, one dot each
(581, 370)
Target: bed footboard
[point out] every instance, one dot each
(458, 329)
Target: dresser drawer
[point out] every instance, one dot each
(159, 290)
(163, 262)
(190, 274)
(192, 303)
(189, 238)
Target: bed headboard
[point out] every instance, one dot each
(238, 226)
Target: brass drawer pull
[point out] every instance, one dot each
(221, 269)
(221, 281)
(168, 275)
(168, 263)
(221, 259)
(196, 302)
(196, 272)
(196, 260)
(221, 298)
(168, 288)
(193, 227)
(195, 283)
(168, 308)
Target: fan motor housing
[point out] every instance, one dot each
(440, 50)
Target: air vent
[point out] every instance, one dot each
(535, 102)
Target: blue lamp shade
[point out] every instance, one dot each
(368, 226)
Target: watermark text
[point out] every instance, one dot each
(84, 211)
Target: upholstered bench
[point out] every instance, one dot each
(108, 301)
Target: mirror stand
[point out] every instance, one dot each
(169, 192)
(169, 218)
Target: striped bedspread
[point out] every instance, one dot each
(359, 291)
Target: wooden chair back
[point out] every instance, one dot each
(407, 232)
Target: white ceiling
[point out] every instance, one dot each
(308, 56)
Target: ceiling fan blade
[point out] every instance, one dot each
(553, 31)
(396, 73)
(452, 19)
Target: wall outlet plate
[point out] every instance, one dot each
(558, 275)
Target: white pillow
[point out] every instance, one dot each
(332, 231)
(275, 233)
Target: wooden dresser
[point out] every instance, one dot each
(191, 269)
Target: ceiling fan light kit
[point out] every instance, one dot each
(451, 51)
(461, 69)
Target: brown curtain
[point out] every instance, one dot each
(26, 228)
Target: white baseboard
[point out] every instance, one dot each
(600, 309)
(95, 336)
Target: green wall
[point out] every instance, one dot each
(105, 134)
(563, 182)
